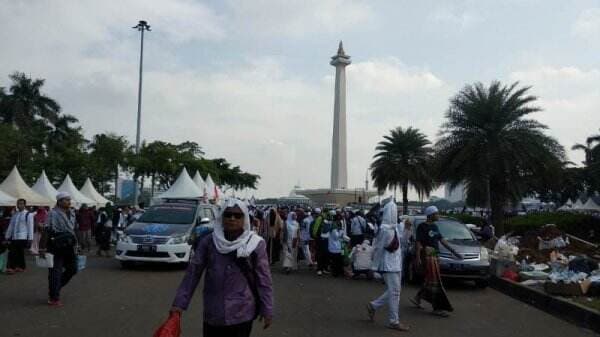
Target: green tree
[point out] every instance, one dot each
(403, 159)
(487, 144)
(108, 151)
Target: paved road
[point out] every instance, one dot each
(106, 301)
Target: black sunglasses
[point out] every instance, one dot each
(237, 215)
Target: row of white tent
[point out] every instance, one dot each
(188, 187)
(590, 205)
(42, 193)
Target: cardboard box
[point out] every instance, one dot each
(567, 289)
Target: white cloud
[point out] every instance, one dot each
(299, 18)
(388, 76)
(587, 24)
(454, 17)
(570, 99)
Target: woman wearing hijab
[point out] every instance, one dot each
(428, 241)
(237, 282)
(387, 260)
(274, 231)
(290, 243)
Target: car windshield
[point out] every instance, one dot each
(452, 230)
(169, 214)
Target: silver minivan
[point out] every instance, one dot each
(166, 232)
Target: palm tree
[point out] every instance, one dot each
(403, 159)
(588, 148)
(26, 103)
(487, 144)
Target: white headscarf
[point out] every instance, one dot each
(246, 243)
(390, 214)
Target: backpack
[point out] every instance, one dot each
(395, 244)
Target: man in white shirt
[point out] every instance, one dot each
(358, 228)
(20, 236)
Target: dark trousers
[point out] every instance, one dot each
(16, 254)
(238, 330)
(356, 240)
(337, 264)
(322, 255)
(65, 267)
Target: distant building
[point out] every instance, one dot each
(456, 194)
(125, 189)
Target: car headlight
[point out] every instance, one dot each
(177, 240)
(485, 254)
(125, 238)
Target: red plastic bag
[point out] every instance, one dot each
(170, 328)
(510, 275)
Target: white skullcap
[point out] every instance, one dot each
(318, 210)
(431, 210)
(63, 195)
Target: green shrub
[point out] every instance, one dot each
(466, 218)
(580, 225)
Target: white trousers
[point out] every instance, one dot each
(307, 257)
(391, 296)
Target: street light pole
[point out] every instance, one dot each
(141, 26)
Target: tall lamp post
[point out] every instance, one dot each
(141, 26)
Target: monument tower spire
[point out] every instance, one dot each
(339, 164)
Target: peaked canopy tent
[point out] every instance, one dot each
(212, 190)
(15, 186)
(590, 205)
(578, 205)
(89, 191)
(7, 200)
(44, 187)
(184, 187)
(77, 197)
(200, 182)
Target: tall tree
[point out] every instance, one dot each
(108, 151)
(403, 159)
(26, 102)
(486, 140)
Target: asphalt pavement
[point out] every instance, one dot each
(105, 300)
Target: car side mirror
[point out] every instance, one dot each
(203, 221)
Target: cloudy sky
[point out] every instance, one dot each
(251, 81)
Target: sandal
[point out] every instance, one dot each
(416, 303)
(399, 327)
(440, 313)
(371, 312)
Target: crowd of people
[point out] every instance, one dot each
(63, 231)
(343, 242)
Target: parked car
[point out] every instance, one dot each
(475, 264)
(166, 232)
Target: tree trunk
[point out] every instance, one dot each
(152, 187)
(497, 202)
(142, 188)
(405, 198)
(116, 182)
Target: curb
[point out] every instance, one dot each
(558, 307)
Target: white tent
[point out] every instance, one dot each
(578, 205)
(7, 200)
(211, 188)
(89, 191)
(590, 205)
(15, 186)
(77, 197)
(200, 182)
(184, 187)
(44, 187)
(569, 203)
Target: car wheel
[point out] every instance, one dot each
(127, 264)
(482, 284)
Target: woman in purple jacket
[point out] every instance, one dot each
(237, 284)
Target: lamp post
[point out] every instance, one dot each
(141, 26)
